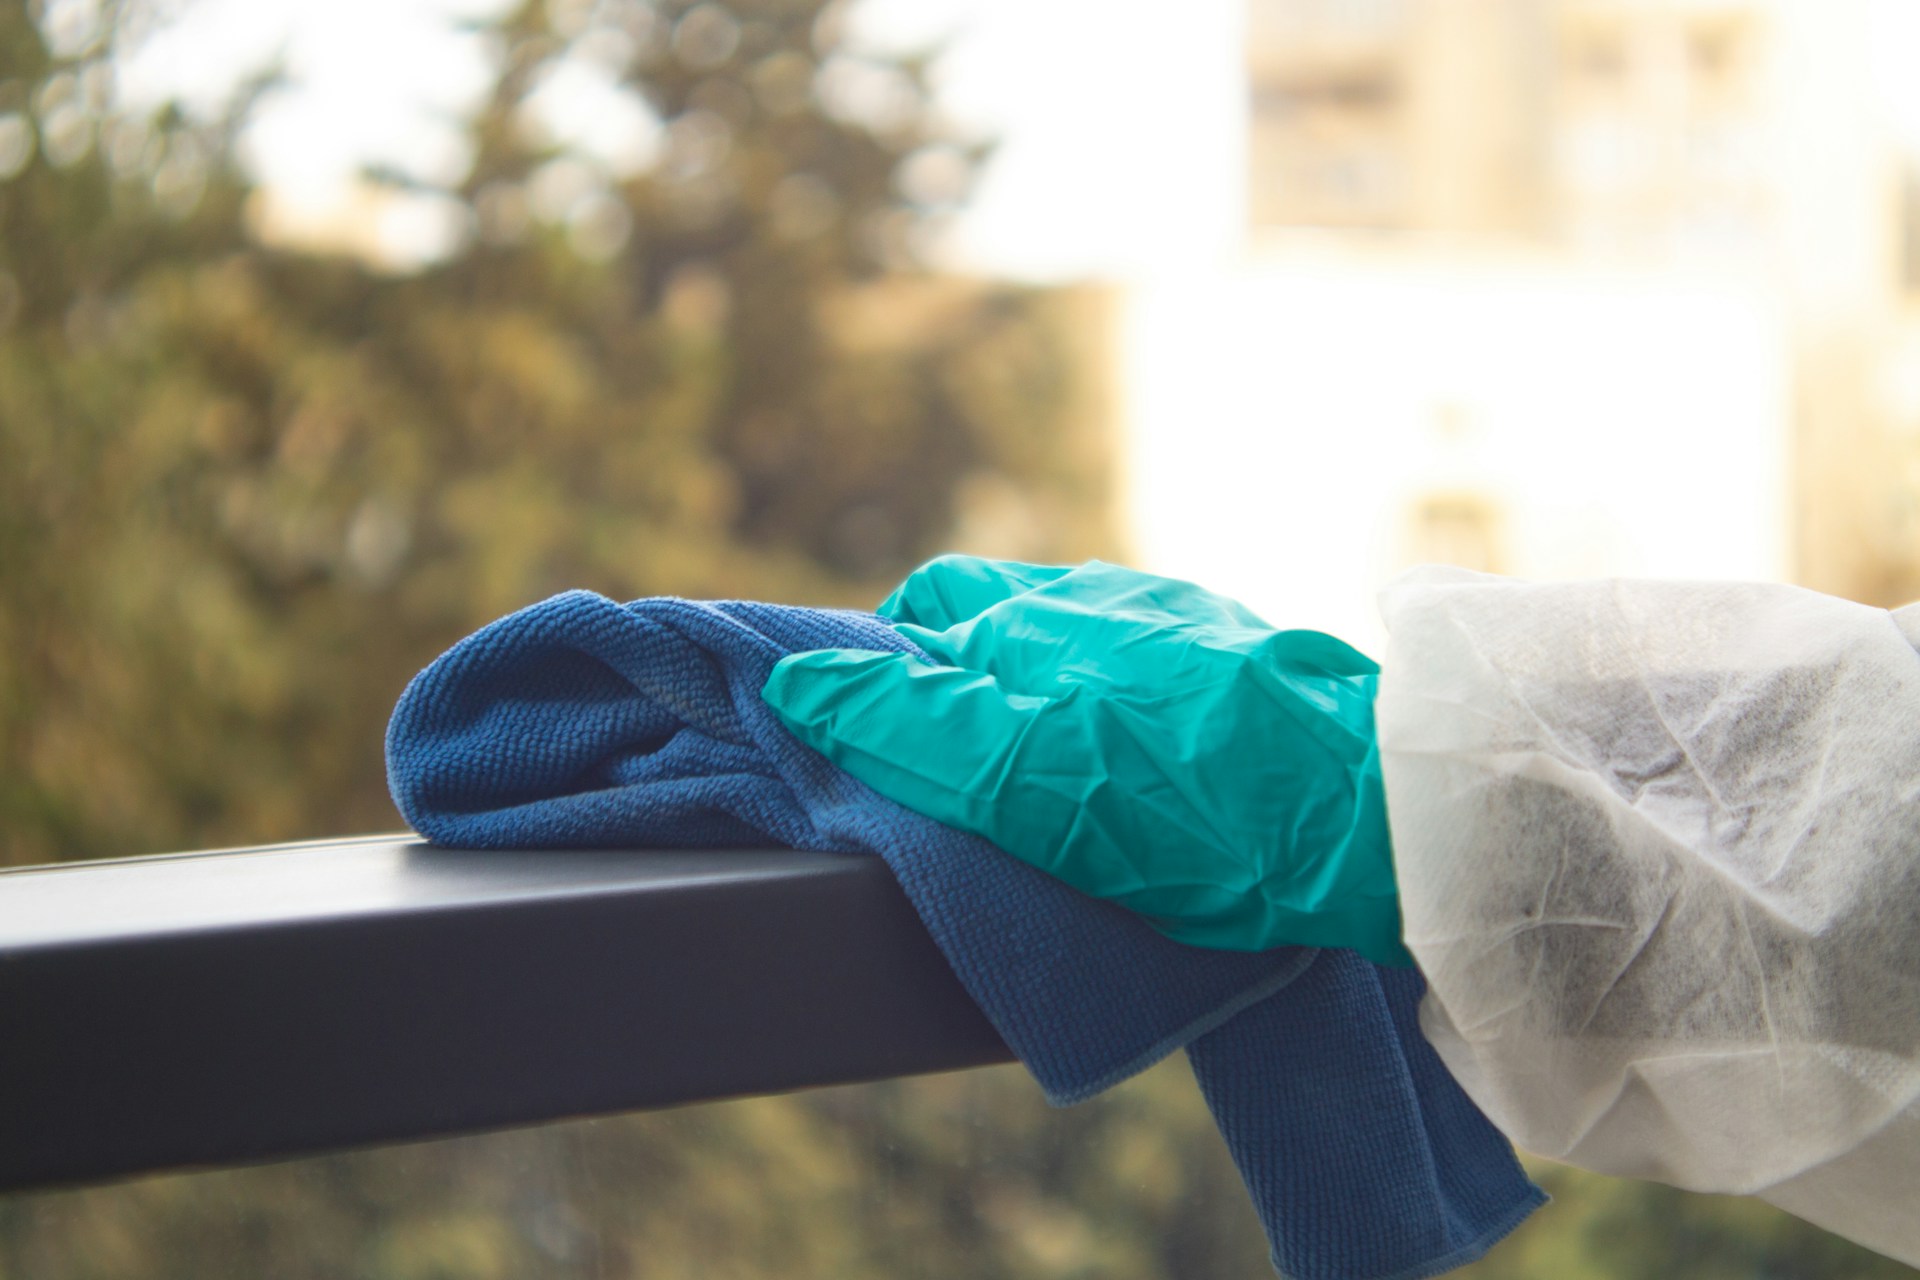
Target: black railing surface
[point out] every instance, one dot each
(257, 1004)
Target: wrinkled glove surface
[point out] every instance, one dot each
(1141, 738)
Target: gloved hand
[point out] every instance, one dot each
(1138, 737)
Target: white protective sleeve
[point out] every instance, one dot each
(1658, 847)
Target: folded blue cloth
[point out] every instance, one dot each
(580, 722)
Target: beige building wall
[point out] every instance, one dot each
(1737, 141)
(1604, 125)
(1306, 427)
(1842, 196)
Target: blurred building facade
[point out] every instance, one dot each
(1611, 125)
(1578, 286)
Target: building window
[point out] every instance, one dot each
(1460, 529)
(1910, 229)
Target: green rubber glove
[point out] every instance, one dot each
(1143, 739)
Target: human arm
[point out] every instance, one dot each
(1656, 844)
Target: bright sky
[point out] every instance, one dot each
(1120, 119)
(353, 100)
(1123, 120)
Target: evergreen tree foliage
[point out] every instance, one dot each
(246, 490)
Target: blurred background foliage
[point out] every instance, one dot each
(965, 1175)
(247, 489)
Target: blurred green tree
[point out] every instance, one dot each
(247, 488)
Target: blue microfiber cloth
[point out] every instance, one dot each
(579, 722)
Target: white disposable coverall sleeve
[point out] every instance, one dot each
(1658, 848)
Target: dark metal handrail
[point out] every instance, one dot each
(256, 1004)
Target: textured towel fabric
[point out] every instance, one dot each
(580, 722)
